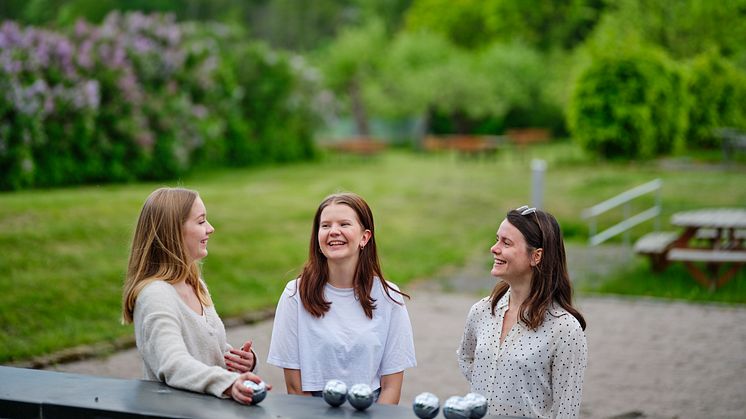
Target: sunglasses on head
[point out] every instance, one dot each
(525, 210)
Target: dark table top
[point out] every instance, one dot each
(34, 393)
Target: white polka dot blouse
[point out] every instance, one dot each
(534, 373)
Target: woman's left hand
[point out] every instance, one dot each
(241, 360)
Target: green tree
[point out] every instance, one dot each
(409, 73)
(686, 28)
(463, 22)
(350, 62)
(718, 91)
(539, 23)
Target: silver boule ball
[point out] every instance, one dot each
(335, 392)
(478, 405)
(426, 405)
(260, 390)
(360, 396)
(456, 408)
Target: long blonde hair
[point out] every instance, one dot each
(158, 251)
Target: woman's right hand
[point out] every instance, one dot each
(240, 392)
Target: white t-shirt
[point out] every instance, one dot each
(344, 344)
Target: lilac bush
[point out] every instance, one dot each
(144, 97)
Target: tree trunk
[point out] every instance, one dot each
(462, 122)
(358, 109)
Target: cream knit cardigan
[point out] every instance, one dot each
(177, 345)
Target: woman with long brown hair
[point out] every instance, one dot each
(524, 347)
(341, 319)
(178, 332)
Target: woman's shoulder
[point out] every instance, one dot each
(157, 295)
(156, 288)
(562, 319)
(291, 288)
(482, 305)
(393, 290)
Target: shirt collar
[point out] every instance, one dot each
(503, 301)
(554, 309)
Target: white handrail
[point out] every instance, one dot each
(630, 220)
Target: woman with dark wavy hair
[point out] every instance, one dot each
(524, 346)
(341, 319)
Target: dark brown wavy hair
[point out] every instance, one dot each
(550, 281)
(316, 270)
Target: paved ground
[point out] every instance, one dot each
(647, 358)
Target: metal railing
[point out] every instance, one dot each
(629, 221)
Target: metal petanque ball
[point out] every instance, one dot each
(478, 405)
(335, 392)
(260, 390)
(426, 405)
(360, 396)
(456, 408)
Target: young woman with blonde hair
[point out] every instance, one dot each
(179, 334)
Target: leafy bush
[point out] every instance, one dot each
(718, 91)
(145, 97)
(629, 104)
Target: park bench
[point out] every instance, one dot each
(656, 245)
(467, 145)
(523, 137)
(363, 146)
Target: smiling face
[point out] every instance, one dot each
(513, 260)
(340, 233)
(196, 231)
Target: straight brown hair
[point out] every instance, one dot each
(158, 251)
(550, 281)
(316, 270)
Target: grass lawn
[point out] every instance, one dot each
(63, 252)
(674, 283)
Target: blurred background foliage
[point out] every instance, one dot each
(114, 90)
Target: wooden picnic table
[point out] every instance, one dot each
(714, 237)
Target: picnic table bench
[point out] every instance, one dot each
(656, 246)
(713, 237)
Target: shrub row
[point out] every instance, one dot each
(145, 97)
(640, 104)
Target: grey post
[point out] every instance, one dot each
(538, 167)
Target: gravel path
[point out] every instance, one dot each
(647, 358)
